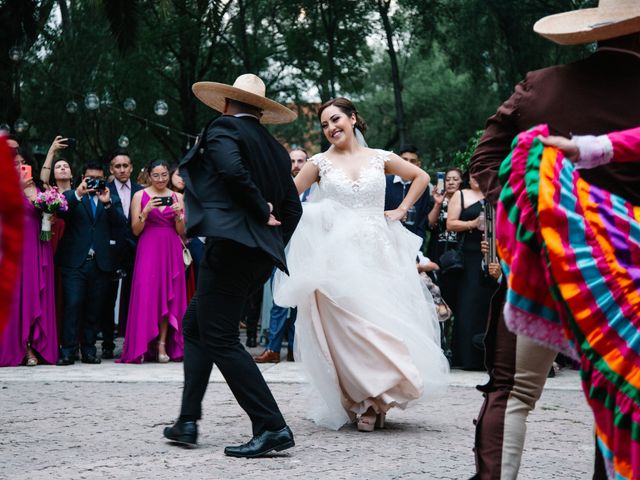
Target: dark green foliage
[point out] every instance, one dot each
(455, 61)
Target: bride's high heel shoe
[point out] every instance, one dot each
(367, 421)
(162, 357)
(380, 419)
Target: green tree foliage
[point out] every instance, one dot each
(451, 61)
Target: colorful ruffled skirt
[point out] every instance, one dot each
(571, 253)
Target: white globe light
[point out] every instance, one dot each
(72, 106)
(129, 104)
(21, 125)
(15, 54)
(91, 101)
(161, 108)
(123, 141)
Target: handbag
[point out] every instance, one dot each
(452, 260)
(186, 255)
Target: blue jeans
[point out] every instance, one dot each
(280, 324)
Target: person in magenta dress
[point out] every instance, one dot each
(30, 335)
(158, 294)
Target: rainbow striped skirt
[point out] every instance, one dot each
(571, 255)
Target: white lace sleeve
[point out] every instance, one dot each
(385, 155)
(320, 161)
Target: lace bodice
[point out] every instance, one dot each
(367, 191)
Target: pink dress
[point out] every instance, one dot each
(33, 312)
(158, 290)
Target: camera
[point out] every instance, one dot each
(165, 201)
(71, 142)
(94, 183)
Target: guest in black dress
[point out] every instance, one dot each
(466, 216)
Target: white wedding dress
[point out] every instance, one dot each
(367, 333)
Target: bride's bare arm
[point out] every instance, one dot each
(309, 175)
(418, 177)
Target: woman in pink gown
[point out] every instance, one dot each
(158, 294)
(30, 335)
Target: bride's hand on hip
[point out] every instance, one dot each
(399, 214)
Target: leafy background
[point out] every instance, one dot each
(422, 72)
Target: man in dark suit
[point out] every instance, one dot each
(85, 258)
(595, 96)
(122, 190)
(282, 320)
(240, 195)
(396, 190)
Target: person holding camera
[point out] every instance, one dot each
(86, 260)
(158, 294)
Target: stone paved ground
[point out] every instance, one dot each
(104, 422)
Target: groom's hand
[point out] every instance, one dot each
(273, 222)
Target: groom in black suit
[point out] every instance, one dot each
(240, 195)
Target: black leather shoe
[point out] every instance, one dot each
(184, 433)
(91, 359)
(251, 343)
(64, 361)
(107, 354)
(263, 443)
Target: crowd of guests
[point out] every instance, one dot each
(115, 264)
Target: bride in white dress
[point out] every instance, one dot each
(367, 332)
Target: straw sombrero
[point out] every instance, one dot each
(247, 88)
(612, 18)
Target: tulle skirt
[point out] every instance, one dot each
(367, 332)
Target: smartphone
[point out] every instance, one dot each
(25, 172)
(440, 183)
(165, 201)
(71, 142)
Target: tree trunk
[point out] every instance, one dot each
(383, 9)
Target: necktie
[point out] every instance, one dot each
(125, 198)
(94, 205)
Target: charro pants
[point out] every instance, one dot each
(518, 369)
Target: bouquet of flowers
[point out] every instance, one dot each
(50, 201)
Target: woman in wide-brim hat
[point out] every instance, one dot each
(248, 89)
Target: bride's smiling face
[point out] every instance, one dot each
(336, 125)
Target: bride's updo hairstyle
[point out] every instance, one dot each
(345, 105)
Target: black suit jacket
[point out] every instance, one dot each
(236, 167)
(82, 231)
(124, 236)
(393, 196)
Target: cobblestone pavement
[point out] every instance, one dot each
(105, 421)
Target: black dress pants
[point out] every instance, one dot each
(84, 288)
(229, 273)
